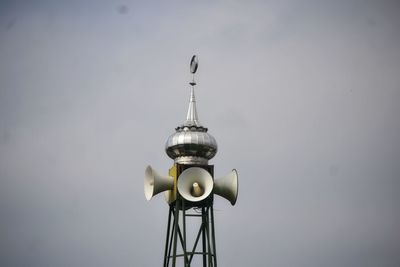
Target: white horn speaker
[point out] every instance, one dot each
(195, 184)
(155, 183)
(227, 187)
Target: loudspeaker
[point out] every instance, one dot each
(155, 183)
(195, 184)
(227, 187)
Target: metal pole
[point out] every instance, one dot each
(213, 236)
(208, 238)
(184, 234)
(176, 231)
(170, 242)
(167, 239)
(203, 225)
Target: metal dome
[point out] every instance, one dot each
(191, 143)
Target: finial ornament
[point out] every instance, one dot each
(191, 143)
(194, 64)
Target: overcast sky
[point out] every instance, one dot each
(301, 96)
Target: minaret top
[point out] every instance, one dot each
(191, 144)
(192, 119)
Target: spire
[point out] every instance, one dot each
(192, 117)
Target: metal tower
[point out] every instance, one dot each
(189, 190)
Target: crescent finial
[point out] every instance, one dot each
(194, 64)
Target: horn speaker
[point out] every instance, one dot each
(195, 184)
(155, 183)
(227, 186)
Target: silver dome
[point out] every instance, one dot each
(191, 143)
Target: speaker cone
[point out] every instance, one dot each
(195, 184)
(155, 183)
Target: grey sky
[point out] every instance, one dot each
(301, 96)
